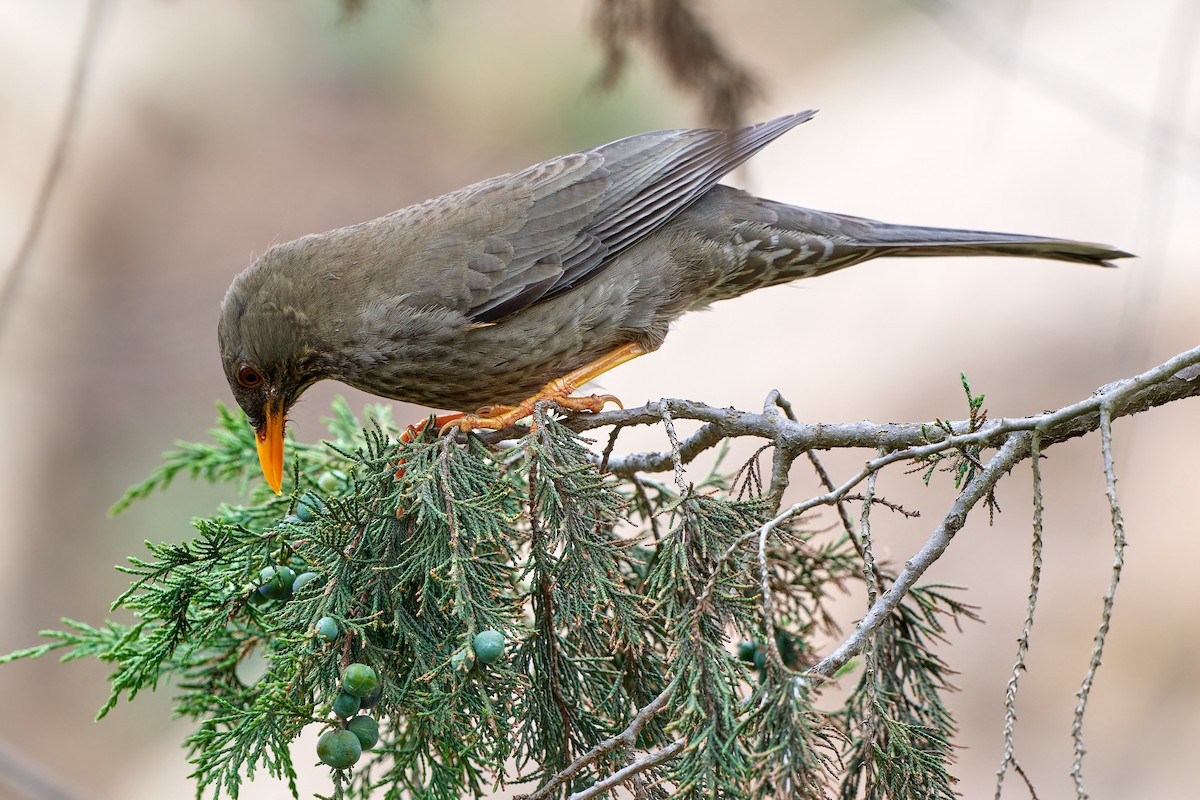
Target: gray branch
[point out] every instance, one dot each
(625, 739)
(1173, 380)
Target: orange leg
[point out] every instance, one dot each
(411, 432)
(557, 391)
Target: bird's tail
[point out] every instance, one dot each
(911, 240)
(777, 243)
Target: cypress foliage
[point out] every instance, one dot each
(621, 603)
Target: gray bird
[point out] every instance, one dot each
(526, 286)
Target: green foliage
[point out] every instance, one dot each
(593, 595)
(901, 746)
(963, 462)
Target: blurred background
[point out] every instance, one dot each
(211, 130)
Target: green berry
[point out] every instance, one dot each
(459, 662)
(489, 646)
(345, 705)
(277, 582)
(371, 698)
(760, 657)
(308, 505)
(745, 651)
(359, 680)
(339, 749)
(291, 519)
(301, 580)
(328, 483)
(366, 729)
(327, 628)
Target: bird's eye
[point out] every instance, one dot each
(249, 377)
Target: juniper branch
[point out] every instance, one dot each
(1118, 533)
(1016, 448)
(1175, 379)
(641, 765)
(626, 738)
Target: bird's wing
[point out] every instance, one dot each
(538, 232)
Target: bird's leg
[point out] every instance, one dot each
(411, 432)
(557, 391)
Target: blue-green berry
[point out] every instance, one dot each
(301, 580)
(309, 504)
(366, 729)
(459, 662)
(327, 628)
(359, 680)
(489, 646)
(345, 705)
(277, 582)
(339, 749)
(372, 698)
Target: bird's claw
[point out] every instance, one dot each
(499, 417)
(411, 432)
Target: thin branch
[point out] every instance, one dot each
(781, 463)
(1118, 532)
(1170, 381)
(1010, 694)
(1174, 379)
(626, 738)
(17, 270)
(870, 648)
(641, 765)
(1016, 448)
(687, 49)
(768, 605)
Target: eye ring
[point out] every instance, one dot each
(249, 377)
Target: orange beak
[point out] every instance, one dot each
(270, 445)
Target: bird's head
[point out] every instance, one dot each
(267, 351)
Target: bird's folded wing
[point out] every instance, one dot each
(536, 233)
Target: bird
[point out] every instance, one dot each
(526, 286)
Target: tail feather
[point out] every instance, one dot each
(909, 241)
(858, 239)
(766, 243)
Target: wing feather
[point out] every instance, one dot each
(560, 222)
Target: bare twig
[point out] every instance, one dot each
(1013, 450)
(768, 609)
(625, 739)
(781, 463)
(83, 60)
(686, 48)
(1010, 694)
(870, 643)
(1172, 380)
(1118, 532)
(621, 776)
(1168, 382)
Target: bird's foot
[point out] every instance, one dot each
(499, 417)
(557, 391)
(411, 432)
